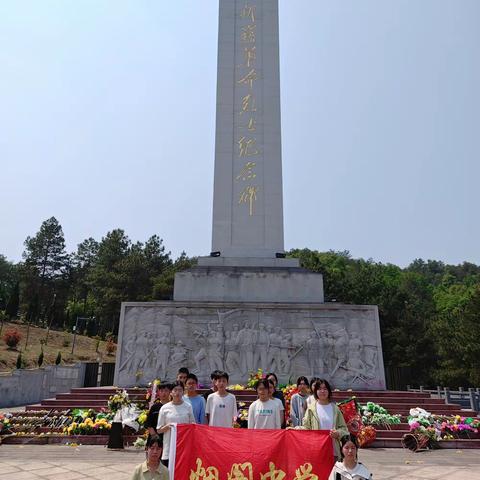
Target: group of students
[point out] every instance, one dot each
(311, 408)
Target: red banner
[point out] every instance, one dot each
(212, 453)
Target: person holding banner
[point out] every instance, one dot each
(264, 413)
(324, 414)
(221, 407)
(176, 411)
(162, 397)
(152, 468)
(350, 468)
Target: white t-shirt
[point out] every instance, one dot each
(263, 415)
(325, 415)
(171, 413)
(275, 399)
(360, 472)
(222, 410)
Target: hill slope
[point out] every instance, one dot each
(85, 348)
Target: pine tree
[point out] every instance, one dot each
(45, 261)
(13, 302)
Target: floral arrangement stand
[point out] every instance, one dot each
(416, 442)
(115, 439)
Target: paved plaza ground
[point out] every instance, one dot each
(35, 462)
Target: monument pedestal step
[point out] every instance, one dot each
(255, 284)
(388, 436)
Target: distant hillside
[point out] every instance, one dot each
(85, 348)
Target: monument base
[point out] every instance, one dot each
(226, 283)
(334, 341)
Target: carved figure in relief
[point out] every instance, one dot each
(356, 343)
(371, 357)
(285, 350)
(340, 349)
(232, 359)
(312, 352)
(161, 354)
(246, 342)
(179, 354)
(358, 370)
(329, 355)
(261, 351)
(141, 352)
(201, 355)
(215, 347)
(149, 362)
(129, 349)
(273, 350)
(322, 351)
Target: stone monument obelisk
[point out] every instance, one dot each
(247, 201)
(246, 306)
(248, 261)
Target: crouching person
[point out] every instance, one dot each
(152, 468)
(349, 468)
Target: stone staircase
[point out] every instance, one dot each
(396, 402)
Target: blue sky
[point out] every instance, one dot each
(107, 120)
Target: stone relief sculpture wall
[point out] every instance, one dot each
(338, 342)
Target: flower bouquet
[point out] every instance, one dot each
(254, 377)
(152, 387)
(366, 436)
(237, 386)
(242, 416)
(88, 422)
(374, 414)
(457, 427)
(288, 393)
(5, 423)
(118, 401)
(142, 418)
(89, 426)
(423, 433)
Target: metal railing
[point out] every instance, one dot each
(467, 398)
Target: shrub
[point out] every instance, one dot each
(110, 346)
(66, 343)
(40, 359)
(58, 360)
(20, 362)
(12, 338)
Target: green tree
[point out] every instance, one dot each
(123, 271)
(163, 283)
(455, 333)
(13, 302)
(46, 250)
(8, 280)
(107, 278)
(45, 263)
